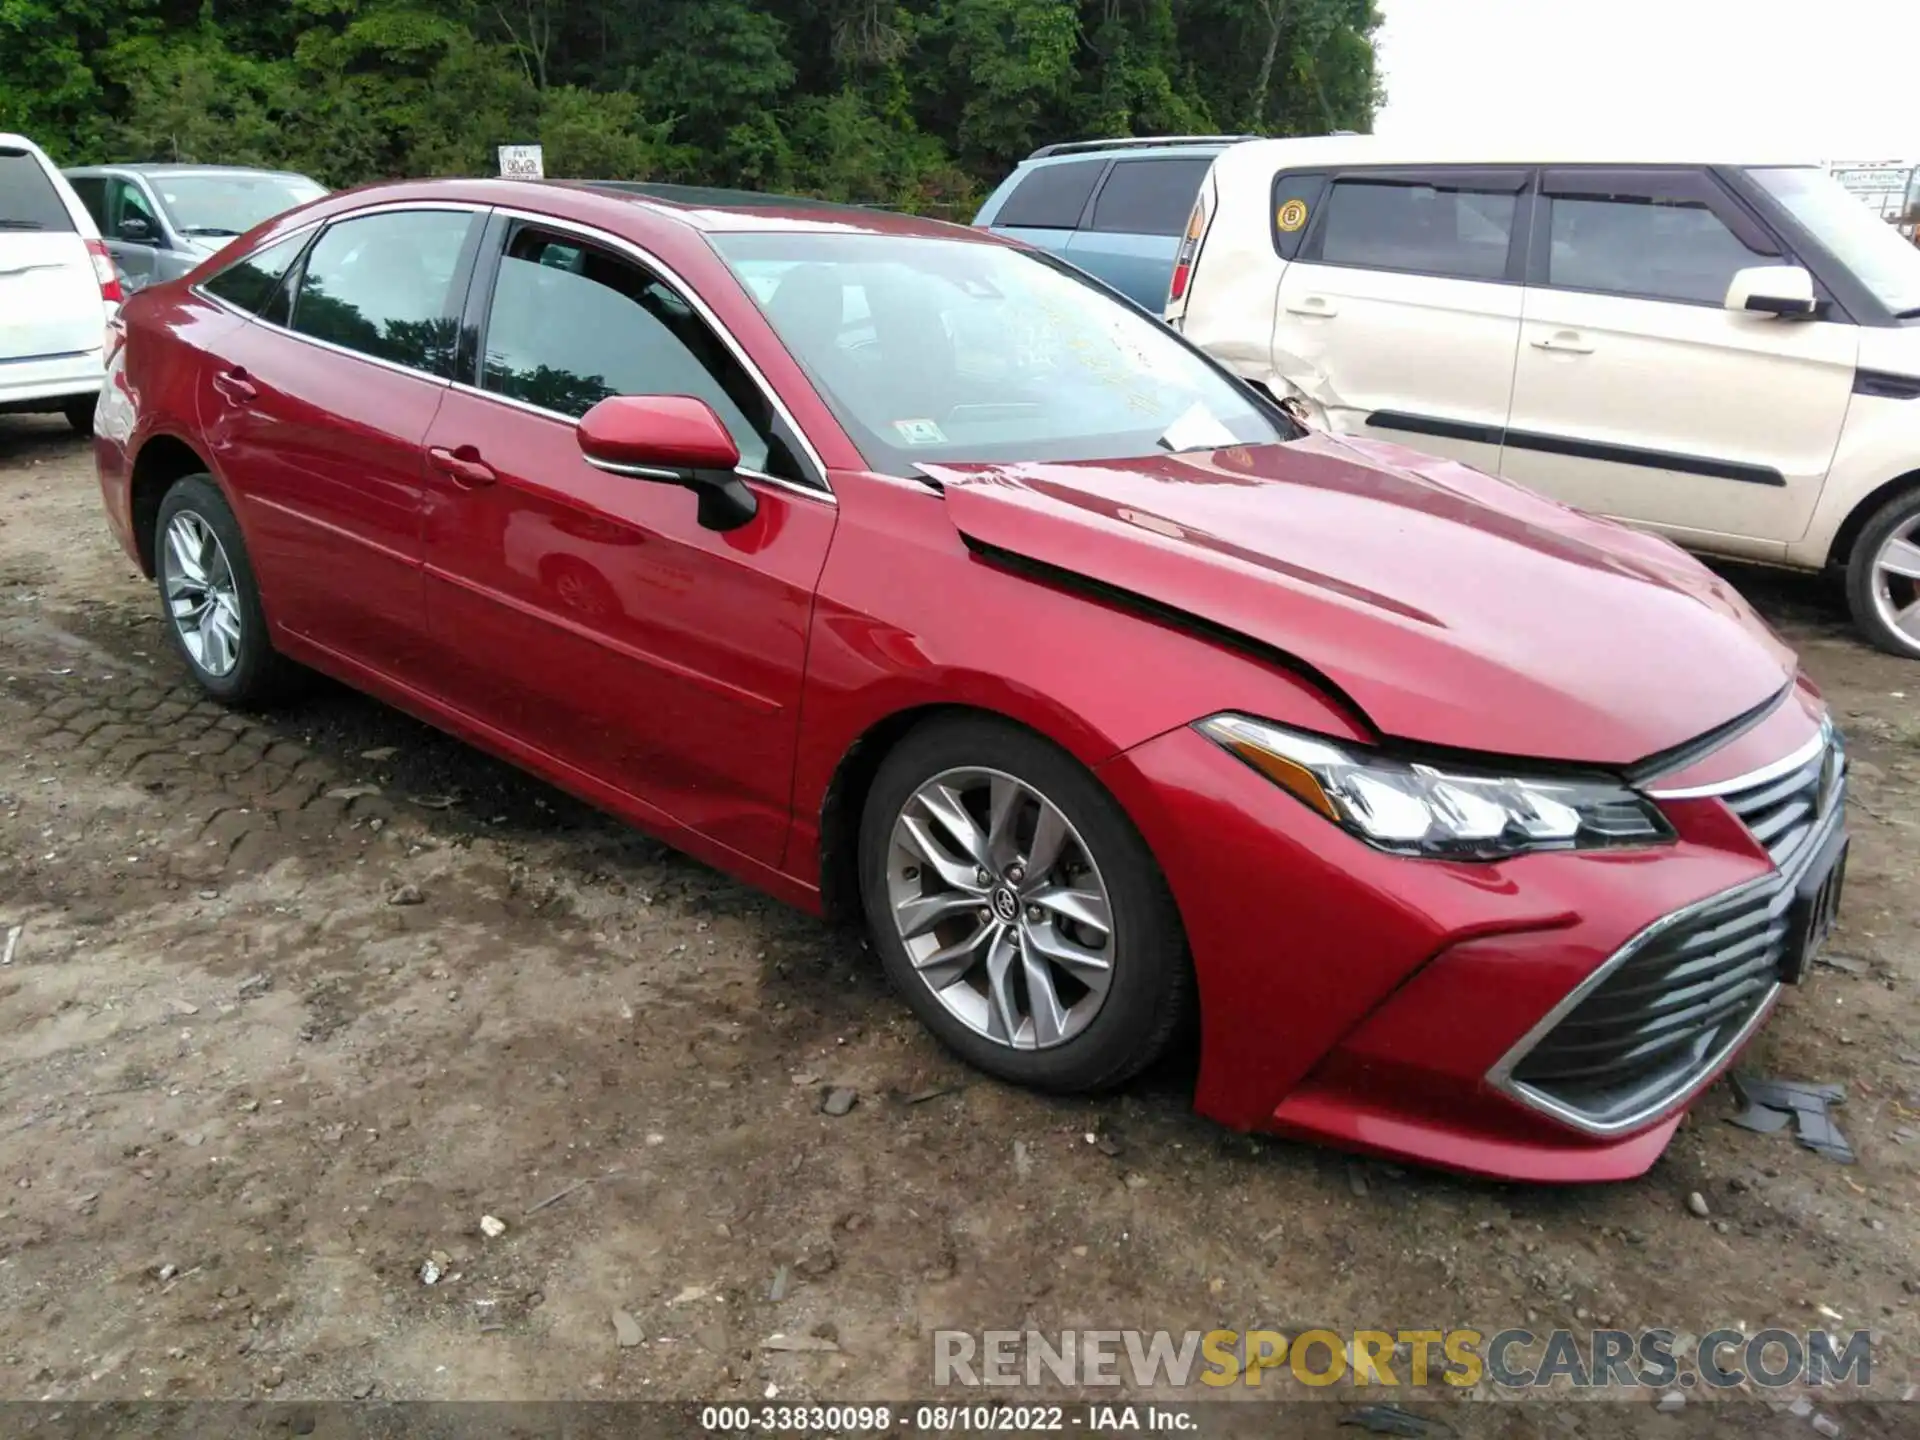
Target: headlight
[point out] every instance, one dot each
(1449, 813)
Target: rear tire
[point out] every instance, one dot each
(1883, 577)
(210, 600)
(1074, 979)
(79, 413)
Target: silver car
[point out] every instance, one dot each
(160, 221)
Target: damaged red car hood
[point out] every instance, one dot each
(1453, 608)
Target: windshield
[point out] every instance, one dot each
(1868, 246)
(230, 204)
(955, 350)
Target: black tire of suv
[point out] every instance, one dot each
(79, 413)
(1894, 513)
(261, 675)
(1152, 992)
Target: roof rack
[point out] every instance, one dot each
(1131, 142)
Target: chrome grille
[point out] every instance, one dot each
(1783, 809)
(1684, 994)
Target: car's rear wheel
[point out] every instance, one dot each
(1017, 910)
(1883, 577)
(210, 599)
(79, 413)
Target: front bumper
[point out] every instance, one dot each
(1395, 1005)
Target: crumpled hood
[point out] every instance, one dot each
(1454, 608)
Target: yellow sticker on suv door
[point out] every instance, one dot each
(1292, 216)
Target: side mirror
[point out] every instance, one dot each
(675, 439)
(1772, 290)
(138, 229)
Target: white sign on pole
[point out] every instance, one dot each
(522, 162)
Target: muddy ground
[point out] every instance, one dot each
(244, 1097)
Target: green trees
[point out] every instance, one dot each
(922, 104)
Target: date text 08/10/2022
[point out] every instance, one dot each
(947, 1419)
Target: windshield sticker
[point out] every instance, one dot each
(919, 432)
(1292, 216)
(1197, 429)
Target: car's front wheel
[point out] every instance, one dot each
(1017, 910)
(1883, 577)
(210, 598)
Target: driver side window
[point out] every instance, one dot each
(572, 324)
(125, 202)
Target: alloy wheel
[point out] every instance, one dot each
(1896, 582)
(203, 598)
(1002, 910)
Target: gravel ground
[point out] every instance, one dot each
(296, 1000)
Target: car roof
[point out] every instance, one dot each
(1313, 150)
(703, 208)
(1154, 146)
(177, 168)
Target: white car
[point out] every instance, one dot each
(1727, 353)
(58, 290)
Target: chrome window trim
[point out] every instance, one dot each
(457, 206)
(1784, 766)
(642, 256)
(1500, 1077)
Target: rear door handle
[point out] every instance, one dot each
(1312, 305)
(1567, 342)
(463, 466)
(234, 385)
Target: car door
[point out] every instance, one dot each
(1401, 314)
(1638, 394)
(589, 615)
(1133, 232)
(133, 234)
(316, 414)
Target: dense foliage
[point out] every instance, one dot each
(916, 103)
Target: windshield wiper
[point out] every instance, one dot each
(21, 225)
(207, 230)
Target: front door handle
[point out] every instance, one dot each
(463, 466)
(234, 385)
(1312, 305)
(1566, 342)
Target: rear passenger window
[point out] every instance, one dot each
(1425, 229)
(1052, 196)
(1149, 197)
(382, 285)
(92, 190)
(248, 284)
(1651, 247)
(28, 199)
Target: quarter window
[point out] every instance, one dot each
(1654, 247)
(1424, 229)
(383, 285)
(1148, 197)
(1051, 197)
(572, 324)
(248, 284)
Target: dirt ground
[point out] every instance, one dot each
(245, 1097)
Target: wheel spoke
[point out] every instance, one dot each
(219, 654)
(1049, 1015)
(186, 552)
(923, 912)
(911, 832)
(1003, 807)
(1907, 621)
(1090, 967)
(1003, 1016)
(950, 964)
(1049, 835)
(1900, 557)
(1083, 907)
(946, 811)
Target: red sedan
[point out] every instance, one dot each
(908, 573)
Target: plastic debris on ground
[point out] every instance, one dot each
(1770, 1104)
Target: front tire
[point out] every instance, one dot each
(1018, 911)
(209, 598)
(1883, 577)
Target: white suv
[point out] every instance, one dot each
(1728, 353)
(58, 290)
